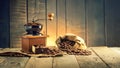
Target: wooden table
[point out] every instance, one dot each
(102, 57)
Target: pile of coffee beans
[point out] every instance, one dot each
(67, 46)
(48, 51)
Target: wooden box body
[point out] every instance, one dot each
(29, 41)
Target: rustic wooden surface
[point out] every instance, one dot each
(108, 56)
(67, 61)
(102, 57)
(91, 61)
(39, 62)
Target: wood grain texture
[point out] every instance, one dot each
(109, 56)
(91, 61)
(61, 17)
(36, 10)
(67, 61)
(13, 62)
(17, 21)
(95, 22)
(116, 49)
(31, 10)
(39, 63)
(102, 57)
(112, 19)
(51, 25)
(75, 15)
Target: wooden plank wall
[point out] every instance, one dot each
(36, 10)
(75, 15)
(51, 25)
(112, 20)
(96, 21)
(61, 17)
(81, 17)
(17, 21)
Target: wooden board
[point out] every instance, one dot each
(39, 62)
(13, 62)
(112, 20)
(91, 61)
(31, 10)
(17, 20)
(67, 61)
(61, 17)
(109, 56)
(51, 25)
(75, 16)
(102, 57)
(116, 49)
(95, 22)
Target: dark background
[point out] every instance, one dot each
(4, 23)
(96, 21)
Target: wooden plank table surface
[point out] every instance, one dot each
(102, 57)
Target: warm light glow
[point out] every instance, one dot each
(51, 42)
(61, 30)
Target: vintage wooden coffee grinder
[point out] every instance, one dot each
(34, 36)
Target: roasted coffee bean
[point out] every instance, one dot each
(67, 46)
